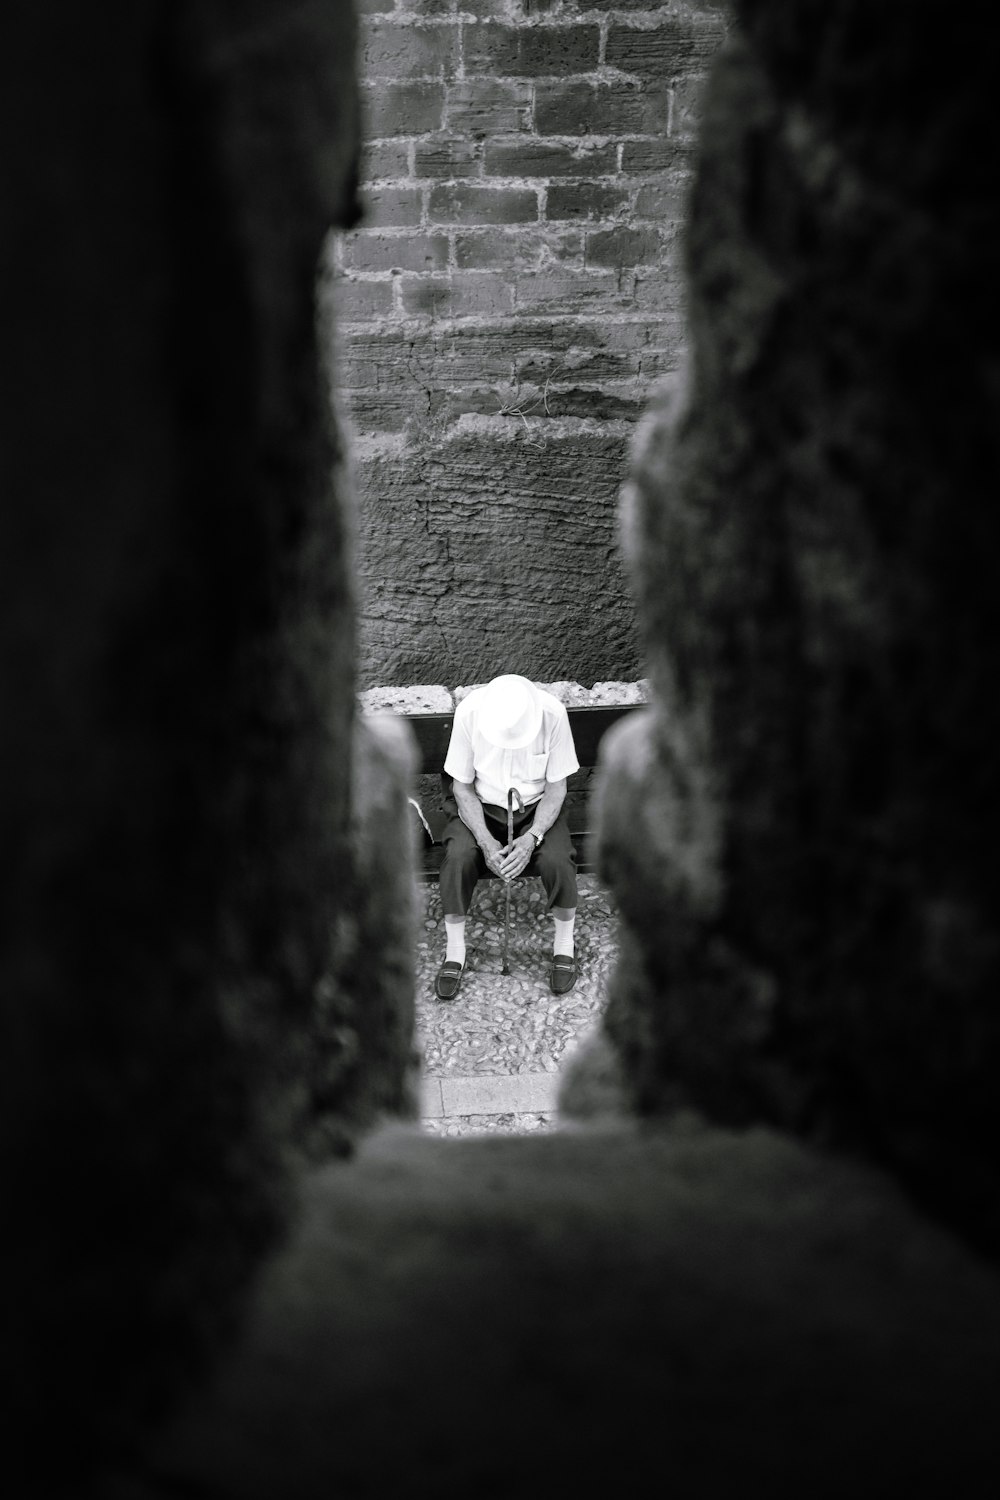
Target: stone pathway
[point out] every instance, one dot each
(493, 1055)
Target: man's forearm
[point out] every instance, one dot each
(470, 810)
(548, 806)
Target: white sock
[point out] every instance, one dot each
(455, 933)
(563, 942)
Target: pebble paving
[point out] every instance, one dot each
(503, 1025)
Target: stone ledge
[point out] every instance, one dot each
(419, 699)
(434, 698)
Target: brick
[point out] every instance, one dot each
(654, 155)
(428, 7)
(391, 206)
(623, 246)
(516, 10)
(471, 204)
(552, 291)
(483, 108)
(530, 51)
(355, 374)
(693, 7)
(447, 156)
(490, 9)
(517, 156)
(656, 360)
(672, 46)
(368, 358)
(389, 50)
(584, 200)
(603, 365)
(582, 107)
(382, 410)
(664, 201)
(394, 109)
(598, 403)
(686, 113)
(376, 344)
(355, 300)
(655, 292)
(382, 159)
(660, 51)
(482, 294)
(365, 251)
(426, 297)
(526, 248)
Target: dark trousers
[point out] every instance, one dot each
(463, 864)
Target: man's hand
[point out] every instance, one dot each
(493, 853)
(516, 857)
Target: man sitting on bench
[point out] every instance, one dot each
(508, 734)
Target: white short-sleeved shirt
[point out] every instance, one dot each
(551, 755)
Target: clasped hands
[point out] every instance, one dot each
(509, 860)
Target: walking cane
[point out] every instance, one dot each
(512, 795)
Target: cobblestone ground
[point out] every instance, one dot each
(506, 1026)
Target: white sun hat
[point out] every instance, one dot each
(510, 712)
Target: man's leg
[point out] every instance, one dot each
(462, 866)
(564, 918)
(454, 937)
(555, 863)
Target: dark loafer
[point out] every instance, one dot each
(448, 980)
(562, 975)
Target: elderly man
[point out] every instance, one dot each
(508, 734)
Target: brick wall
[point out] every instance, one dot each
(509, 299)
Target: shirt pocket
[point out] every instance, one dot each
(536, 766)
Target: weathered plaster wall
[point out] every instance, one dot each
(505, 308)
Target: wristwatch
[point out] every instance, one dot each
(536, 836)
